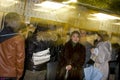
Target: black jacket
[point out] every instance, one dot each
(33, 46)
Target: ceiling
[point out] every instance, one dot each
(111, 5)
(73, 16)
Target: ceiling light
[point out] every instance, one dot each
(102, 16)
(73, 0)
(70, 1)
(116, 23)
(50, 5)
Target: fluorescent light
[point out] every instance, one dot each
(73, 0)
(70, 1)
(102, 16)
(116, 23)
(50, 5)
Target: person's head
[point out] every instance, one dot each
(83, 33)
(102, 37)
(13, 20)
(75, 36)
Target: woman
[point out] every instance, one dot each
(72, 59)
(102, 54)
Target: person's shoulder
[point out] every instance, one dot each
(18, 38)
(107, 42)
(101, 43)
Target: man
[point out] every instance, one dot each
(11, 49)
(39, 51)
(88, 41)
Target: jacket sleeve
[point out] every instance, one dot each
(20, 56)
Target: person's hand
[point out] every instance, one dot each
(68, 67)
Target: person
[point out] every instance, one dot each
(53, 64)
(113, 62)
(12, 52)
(38, 53)
(90, 72)
(118, 67)
(102, 54)
(83, 37)
(89, 44)
(72, 59)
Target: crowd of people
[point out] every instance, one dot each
(43, 55)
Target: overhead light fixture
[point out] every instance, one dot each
(70, 1)
(102, 16)
(73, 0)
(116, 23)
(50, 5)
(7, 3)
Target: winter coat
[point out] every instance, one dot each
(34, 46)
(103, 57)
(74, 56)
(11, 54)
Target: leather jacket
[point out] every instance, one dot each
(12, 54)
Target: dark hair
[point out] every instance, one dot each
(75, 32)
(40, 28)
